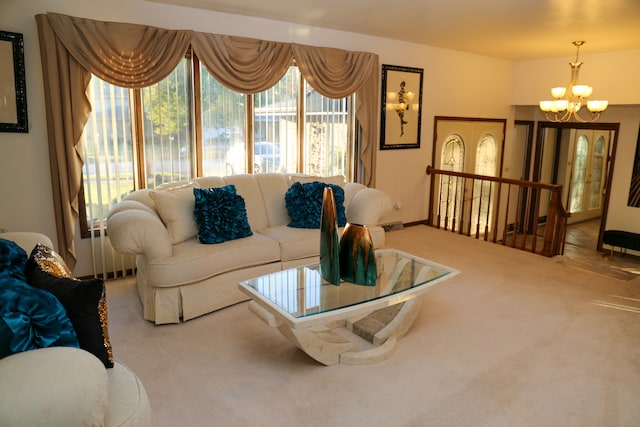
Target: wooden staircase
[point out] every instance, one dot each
(524, 215)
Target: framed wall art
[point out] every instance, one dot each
(13, 88)
(401, 107)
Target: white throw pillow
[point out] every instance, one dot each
(175, 207)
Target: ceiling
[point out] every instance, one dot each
(508, 29)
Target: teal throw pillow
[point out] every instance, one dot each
(31, 318)
(12, 260)
(221, 215)
(304, 204)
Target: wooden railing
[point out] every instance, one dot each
(522, 214)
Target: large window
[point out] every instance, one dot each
(190, 125)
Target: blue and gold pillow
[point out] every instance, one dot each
(221, 214)
(304, 204)
(84, 300)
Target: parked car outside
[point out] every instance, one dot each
(266, 158)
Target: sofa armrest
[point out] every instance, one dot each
(134, 229)
(368, 206)
(27, 240)
(55, 386)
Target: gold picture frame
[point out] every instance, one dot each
(401, 107)
(13, 88)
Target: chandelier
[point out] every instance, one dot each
(567, 102)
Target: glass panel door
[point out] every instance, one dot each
(588, 174)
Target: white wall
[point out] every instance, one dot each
(455, 84)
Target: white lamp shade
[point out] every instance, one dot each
(558, 92)
(546, 106)
(582, 90)
(597, 106)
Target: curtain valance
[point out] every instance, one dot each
(126, 55)
(243, 64)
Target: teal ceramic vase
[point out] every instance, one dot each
(329, 242)
(357, 258)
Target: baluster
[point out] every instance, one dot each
(536, 211)
(463, 196)
(446, 213)
(439, 200)
(487, 218)
(479, 212)
(527, 219)
(506, 216)
(496, 217)
(516, 223)
(455, 205)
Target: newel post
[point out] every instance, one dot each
(551, 232)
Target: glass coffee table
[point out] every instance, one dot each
(351, 324)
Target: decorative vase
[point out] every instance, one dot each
(357, 259)
(329, 243)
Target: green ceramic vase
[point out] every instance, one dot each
(329, 242)
(357, 258)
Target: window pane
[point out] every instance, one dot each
(167, 136)
(275, 125)
(326, 134)
(107, 172)
(223, 124)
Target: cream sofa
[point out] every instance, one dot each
(179, 278)
(67, 386)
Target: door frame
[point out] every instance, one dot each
(470, 119)
(611, 156)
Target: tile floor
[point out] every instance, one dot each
(581, 242)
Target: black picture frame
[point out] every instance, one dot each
(401, 107)
(13, 87)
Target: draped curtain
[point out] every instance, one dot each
(135, 56)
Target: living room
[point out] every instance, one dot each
(495, 88)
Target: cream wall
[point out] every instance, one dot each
(455, 84)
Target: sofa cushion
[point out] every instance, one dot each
(247, 186)
(84, 300)
(295, 243)
(304, 204)
(192, 261)
(273, 186)
(175, 207)
(221, 214)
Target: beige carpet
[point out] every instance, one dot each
(515, 340)
(602, 269)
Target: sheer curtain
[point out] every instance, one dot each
(133, 56)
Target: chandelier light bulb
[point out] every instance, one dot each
(558, 92)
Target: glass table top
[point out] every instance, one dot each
(301, 291)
